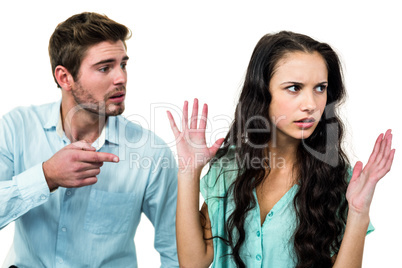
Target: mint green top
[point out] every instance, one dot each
(269, 245)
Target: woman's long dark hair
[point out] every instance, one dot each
(321, 164)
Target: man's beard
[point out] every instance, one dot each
(86, 101)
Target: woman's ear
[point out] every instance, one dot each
(63, 77)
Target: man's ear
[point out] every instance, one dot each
(63, 77)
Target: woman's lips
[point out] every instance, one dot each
(305, 122)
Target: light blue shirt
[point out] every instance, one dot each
(269, 245)
(92, 226)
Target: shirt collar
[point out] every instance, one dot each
(112, 125)
(54, 116)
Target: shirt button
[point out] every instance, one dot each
(59, 260)
(258, 233)
(68, 193)
(43, 197)
(258, 257)
(271, 214)
(64, 229)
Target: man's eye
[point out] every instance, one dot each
(123, 65)
(104, 69)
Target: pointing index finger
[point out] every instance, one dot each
(96, 157)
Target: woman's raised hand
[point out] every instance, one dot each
(364, 180)
(192, 150)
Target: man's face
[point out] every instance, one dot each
(101, 84)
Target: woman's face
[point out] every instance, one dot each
(299, 94)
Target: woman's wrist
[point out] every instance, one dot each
(358, 219)
(189, 172)
(190, 169)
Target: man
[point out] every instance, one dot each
(68, 175)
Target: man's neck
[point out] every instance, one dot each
(80, 124)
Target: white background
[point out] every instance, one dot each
(186, 49)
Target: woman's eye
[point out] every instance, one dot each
(321, 88)
(293, 88)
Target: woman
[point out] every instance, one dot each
(277, 193)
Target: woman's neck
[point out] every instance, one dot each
(282, 154)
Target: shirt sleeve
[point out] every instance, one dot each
(210, 187)
(215, 184)
(22, 192)
(160, 206)
(370, 228)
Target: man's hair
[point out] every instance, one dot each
(72, 38)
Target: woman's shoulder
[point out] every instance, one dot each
(221, 174)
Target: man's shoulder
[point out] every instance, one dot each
(28, 114)
(34, 108)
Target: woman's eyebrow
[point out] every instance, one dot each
(293, 83)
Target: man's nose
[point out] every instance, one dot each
(120, 76)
